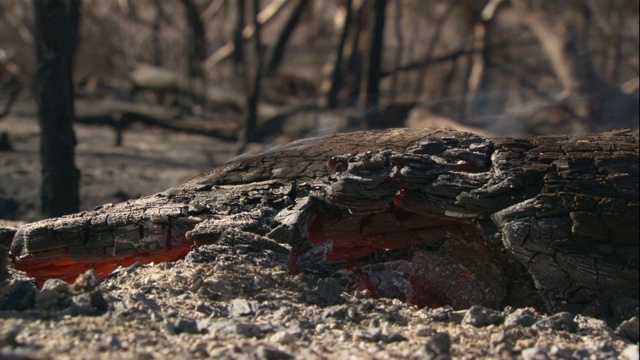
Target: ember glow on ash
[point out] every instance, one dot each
(418, 258)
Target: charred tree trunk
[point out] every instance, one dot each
(238, 40)
(155, 35)
(196, 47)
(443, 217)
(399, 51)
(56, 36)
(354, 68)
(478, 82)
(374, 65)
(279, 49)
(336, 77)
(249, 131)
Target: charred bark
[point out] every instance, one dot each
(336, 76)
(374, 65)
(56, 35)
(249, 131)
(429, 216)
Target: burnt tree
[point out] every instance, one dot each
(56, 36)
(373, 65)
(253, 79)
(196, 48)
(196, 45)
(336, 76)
(238, 40)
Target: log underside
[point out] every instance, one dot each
(429, 216)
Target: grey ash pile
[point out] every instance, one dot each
(236, 300)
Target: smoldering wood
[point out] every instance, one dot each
(467, 212)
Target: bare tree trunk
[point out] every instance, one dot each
(478, 80)
(283, 39)
(353, 75)
(238, 40)
(249, 131)
(56, 36)
(431, 49)
(155, 35)
(336, 76)
(373, 65)
(399, 50)
(196, 47)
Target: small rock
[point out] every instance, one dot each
(110, 343)
(441, 314)
(457, 316)
(19, 294)
(326, 292)
(283, 337)
(247, 330)
(630, 353)
(534, 354)
(438, 344)
(372, 334)
(560, 321)
(87, 281)
(398, 318)
(447, 314)
(424, 331)
(479, 316)
(87, 303)
(341, 312)
(8, 336)
(240, 307)
(592, 324)
(629, 329)
(504, 351)
(603, 348)
(55, 294)
(203, 308)
(265, 353)
(393, 337)
(524, 317)
(375, 334)
(281, 313)
(188, 326)
(557, 352)
(4, 260)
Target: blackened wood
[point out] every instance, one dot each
(565, 207)
(56, 36)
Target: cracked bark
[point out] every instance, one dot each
(429, 216)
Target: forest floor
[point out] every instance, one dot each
(224, 303)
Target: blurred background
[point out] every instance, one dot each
(105, 100)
